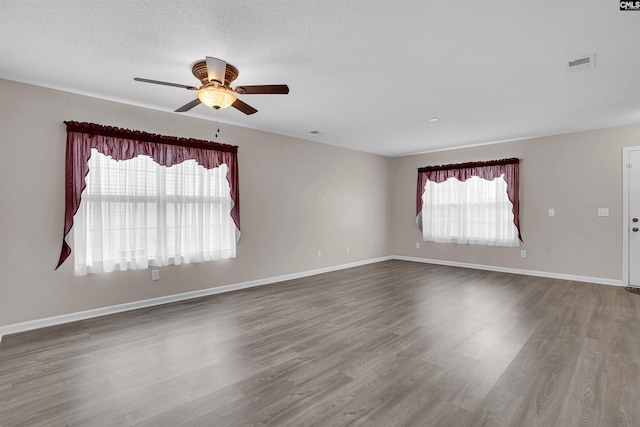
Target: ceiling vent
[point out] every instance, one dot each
(582, 63)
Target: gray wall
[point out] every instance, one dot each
(572, 173)
(296, 197)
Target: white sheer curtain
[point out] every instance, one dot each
(135, 213)
(476, 211)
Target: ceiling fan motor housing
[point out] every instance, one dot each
(199, 70)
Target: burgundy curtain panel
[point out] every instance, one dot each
(124, 144)
(462, 171)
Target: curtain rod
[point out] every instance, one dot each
(138, 135)
(467, 165)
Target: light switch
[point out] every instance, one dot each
(552, 212)
(603, 211)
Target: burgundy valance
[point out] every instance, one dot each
(124, 144)
(489, 170)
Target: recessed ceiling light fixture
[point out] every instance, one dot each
(434, 119)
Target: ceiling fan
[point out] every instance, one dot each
(216, 92)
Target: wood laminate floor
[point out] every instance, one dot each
(388, 344)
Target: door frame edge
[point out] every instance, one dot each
(625, 213)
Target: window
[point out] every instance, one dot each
(470, 203)
(476, 211)
(136, 213)
(141, 199)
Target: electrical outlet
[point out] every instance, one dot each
(155, 275)
(603, 211)
(552, 212)
(523, 254)
(319, 253)
(348, 249)
(417, 245)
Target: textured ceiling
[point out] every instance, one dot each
(366, 74)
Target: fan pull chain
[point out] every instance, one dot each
(218, 121)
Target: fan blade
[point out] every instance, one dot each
(188, 106)
(158, 82)
(263, 89)
(216, 69)
(245, 108)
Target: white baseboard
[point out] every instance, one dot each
(549, 275)
(103, 311)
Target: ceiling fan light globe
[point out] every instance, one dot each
(216, 97)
